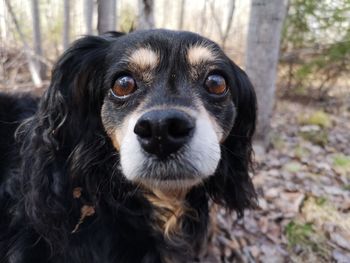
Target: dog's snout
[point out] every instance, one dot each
(162, 132)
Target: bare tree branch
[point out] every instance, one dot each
(203, 17)
(34, 71)
(146, 14)
(37, 43)
(66, 23)
(88, 15)
(229, 22)
(218, 21)
(182, 14)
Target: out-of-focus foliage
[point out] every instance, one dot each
(315, 45)
(127, 18)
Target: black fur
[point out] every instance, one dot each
(62, 145)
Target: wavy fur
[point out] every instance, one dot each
(61, 145)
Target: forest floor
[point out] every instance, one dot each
(303, 183)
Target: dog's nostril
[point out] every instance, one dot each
(143, 129)
(178, 128)
(162, 132)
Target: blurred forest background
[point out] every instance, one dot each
(297, 54)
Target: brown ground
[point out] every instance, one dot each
(304, 193)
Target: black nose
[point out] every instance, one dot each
(162, 132)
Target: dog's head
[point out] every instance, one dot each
(162, 108)
(171, 102)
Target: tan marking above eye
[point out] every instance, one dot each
(144, 58)
(199, 54)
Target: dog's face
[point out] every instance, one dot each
(169, 104)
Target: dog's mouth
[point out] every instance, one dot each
(169, 148)
(174, 171)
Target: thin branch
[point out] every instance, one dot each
(182, 14)
(217, 20)
(229, 22)
(34, 72)
(66, 23)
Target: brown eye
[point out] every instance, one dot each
(124, 86)
(216, 84)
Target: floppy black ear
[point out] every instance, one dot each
(231, 185)
(65, 128)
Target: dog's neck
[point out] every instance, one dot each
(170, 206)
(170, 210)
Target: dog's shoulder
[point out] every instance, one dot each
(14, 108)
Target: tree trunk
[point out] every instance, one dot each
(182, 14)
(37, 39)
(239, 31)
(262, 51)
(165, 17)
(229, 22)
(106, 16)
(203, 20)
(88, 16)
(217, 17)
(66, 23)
(34, 71)
(146, 14)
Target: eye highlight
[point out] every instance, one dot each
(123, 86)
(216, 84)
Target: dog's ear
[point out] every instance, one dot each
(231, 185)
(65, 126)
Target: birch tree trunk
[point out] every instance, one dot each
(239, 31)
(182, 14)
(66, 23)
(229, 22)
(262, 51)
(88, 15)
(106, 16)
(146, 14)
(34, 72)
(37, 39)
(203, 20)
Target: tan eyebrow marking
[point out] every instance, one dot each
(199, 54)
(144, 58)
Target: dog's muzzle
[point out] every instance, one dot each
(163, 132)
(169, 147)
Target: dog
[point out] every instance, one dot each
(120, 158)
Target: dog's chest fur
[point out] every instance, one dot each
(169, 210)
(175, 218)
(173, 230)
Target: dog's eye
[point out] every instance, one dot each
(124, 86)
(215, 84)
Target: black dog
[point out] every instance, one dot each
(118, 160)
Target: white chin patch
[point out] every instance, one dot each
(195, 161)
